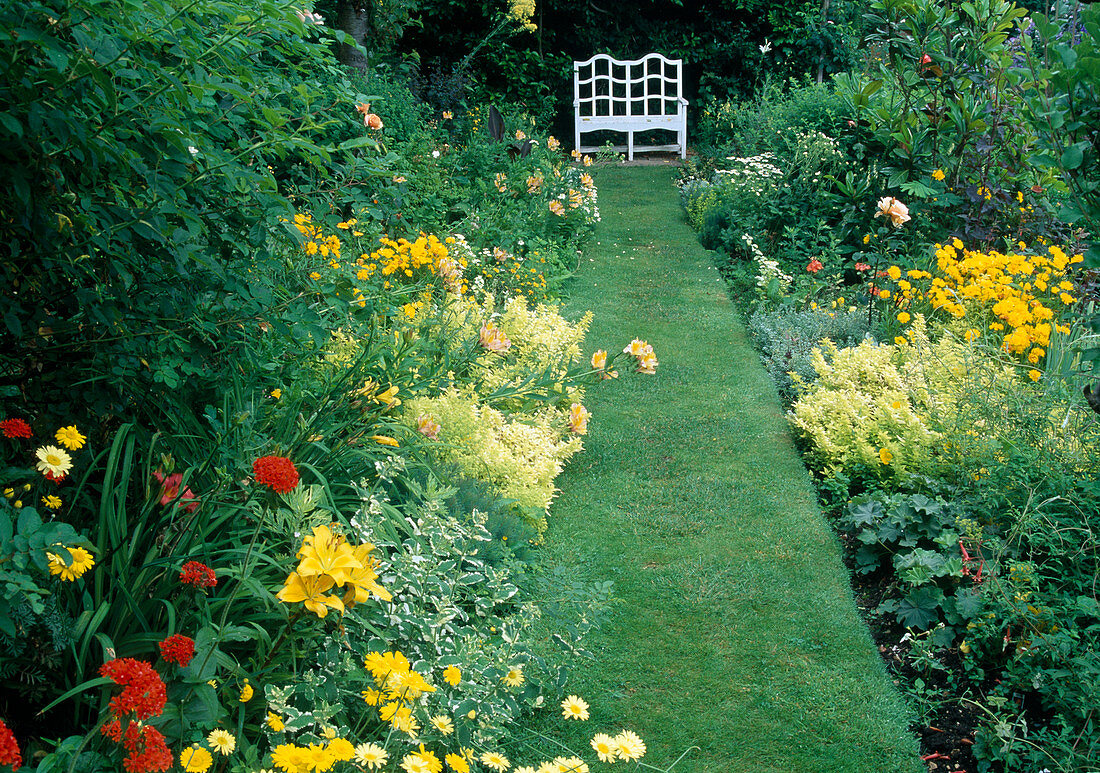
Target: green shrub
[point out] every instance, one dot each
(870, 410)
(149, 153)
(520, 457)
(779, 110)
(787, 338)
(939, 113)
(1061, 88)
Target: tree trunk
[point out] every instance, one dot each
(353, 19)
(824, 21)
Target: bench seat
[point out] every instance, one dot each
(630, 96)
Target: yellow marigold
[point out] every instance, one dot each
(903, 317)
(514, 677)
(496, 761)
(457, 764)
(195, 759)
(938, 175)
(574, 707)
(341, 749)
(894, 273)
(80, 562)
(605, 748)
(71, 438)
(452, 675)
(630, 746)
(1034, 375)
(443, 724)
(885, 456)
(221, 741)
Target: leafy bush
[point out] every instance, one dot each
(939, 111)
(787, 338)
(920, 542)
(141, 188)
(1060, 86)
(868, 411)
(777, 111)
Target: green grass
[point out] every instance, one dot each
(735, 628)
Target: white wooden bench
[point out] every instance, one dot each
(630, 96)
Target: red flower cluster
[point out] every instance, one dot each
(199, 575)
(814, 266)
(147, 749)
(144, 694)
(142, 688)
(50, 477)
(15, 428)
(862, 267)
(170, 489)
(178, 649)
(9, 748)
(276, 472)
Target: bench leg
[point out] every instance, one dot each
(630, 146)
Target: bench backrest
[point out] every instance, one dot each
(650, 86)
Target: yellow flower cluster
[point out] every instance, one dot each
(403, 258)
(1014, 294)
(315, 758)
(522, 11)
(327, 560)
(395, 261)
(399, 686)
(316, 242)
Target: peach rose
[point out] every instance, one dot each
(890, 207)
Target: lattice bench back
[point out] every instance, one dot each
(630, 96)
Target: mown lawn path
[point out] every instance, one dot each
(735, 628)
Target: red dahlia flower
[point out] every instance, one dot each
(142, 688)
(15, 428)
(276, 472)
(178, 649)
(197, 574)
(9, 748)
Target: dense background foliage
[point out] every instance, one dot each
(240, 231)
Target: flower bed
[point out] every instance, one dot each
(932, 339)
(293, 528)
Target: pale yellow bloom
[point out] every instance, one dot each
(574, 707)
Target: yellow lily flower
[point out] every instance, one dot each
(326, 553)
(310, 590)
